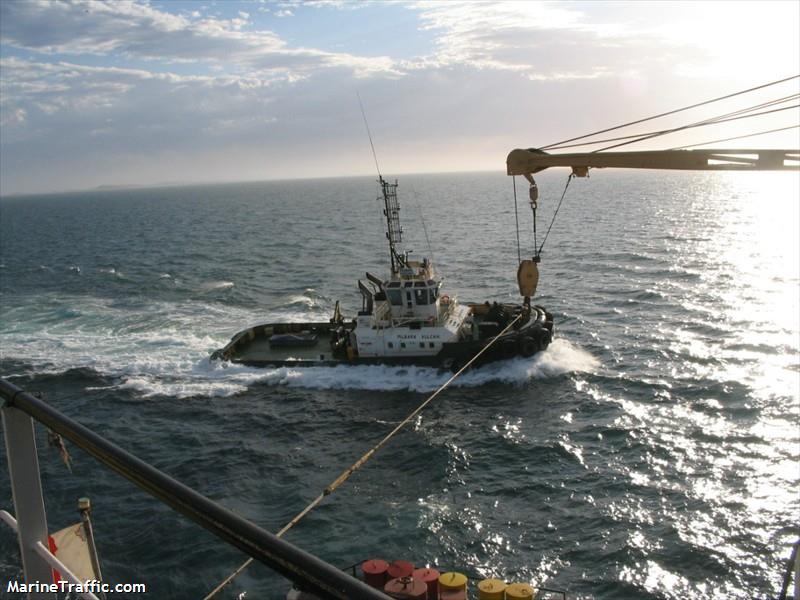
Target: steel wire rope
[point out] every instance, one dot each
(710, 121)
(534, 206)
(369, 134)
(345, 475)
(555, 214)
(671, 112)
(738, 137)
(516, 218)
(698, 124)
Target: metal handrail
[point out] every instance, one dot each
(50, 558)
(307, 571)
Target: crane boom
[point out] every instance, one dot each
(527, 162)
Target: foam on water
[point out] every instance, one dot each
(217, 285)
(162, 349)
(650, 452)
(560, 358)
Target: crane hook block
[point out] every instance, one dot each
(533, 193)
(527, 277)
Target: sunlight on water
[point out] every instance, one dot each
(744, 331)
(651, 451)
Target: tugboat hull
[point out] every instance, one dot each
(306, 344)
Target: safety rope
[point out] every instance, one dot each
(555, 214)
(361, 461)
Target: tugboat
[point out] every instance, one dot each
(404, 319)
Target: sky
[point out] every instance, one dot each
(117, 92)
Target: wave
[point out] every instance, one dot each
(309, 301)
(163, 349)
(217, 285)
(560, 358)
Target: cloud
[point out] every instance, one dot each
(538, 40)
(66, 97)
(140, 31)
(125, 92)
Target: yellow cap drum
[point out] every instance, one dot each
(452, 581)
(491, 589)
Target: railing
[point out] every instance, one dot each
(44, 553)
(305, 570)
(19, 412)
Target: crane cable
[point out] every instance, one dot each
(730, 116)
(555, 214)
(738, 137)
(516, 217)
(672, 112)
(534, 206)
(345, 475)
(709, 121)
(698, 124)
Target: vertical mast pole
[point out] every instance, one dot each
(394, 232)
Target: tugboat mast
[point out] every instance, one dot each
(394, 232)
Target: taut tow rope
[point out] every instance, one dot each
(361, 461)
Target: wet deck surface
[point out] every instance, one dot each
(260, 350)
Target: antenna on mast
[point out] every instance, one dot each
(369, 135)
(394, 232)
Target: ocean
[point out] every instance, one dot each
(653, 451)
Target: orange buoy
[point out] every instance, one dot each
(430, 577)
(491, 589)
(400, 568)
(406, 588)
(519, 591)
(375, 572)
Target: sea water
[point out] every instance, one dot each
(651, 452)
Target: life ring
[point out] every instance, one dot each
(528, 346)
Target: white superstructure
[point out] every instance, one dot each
(405, 315)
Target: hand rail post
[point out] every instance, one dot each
(26, 489)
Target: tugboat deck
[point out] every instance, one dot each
(260, 351)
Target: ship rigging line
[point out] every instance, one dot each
(345, 475)
(369, 135)
(738, 137)
(516, 217)
(698, 124)
(671, 112)
(709, 121)
(555, 214)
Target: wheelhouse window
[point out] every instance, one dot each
(394, 293)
